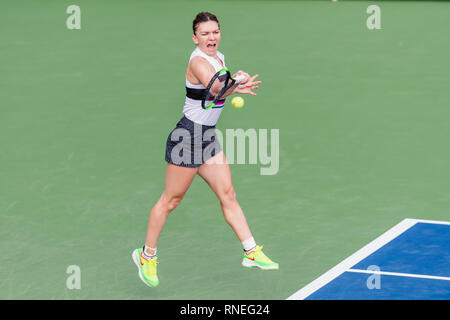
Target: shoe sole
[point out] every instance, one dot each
(251, 264)
(135, 256)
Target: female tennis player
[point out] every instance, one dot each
(186, 158)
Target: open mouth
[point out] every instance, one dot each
(211, 45)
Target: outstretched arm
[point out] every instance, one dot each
(203, 72)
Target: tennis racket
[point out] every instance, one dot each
(225, 81)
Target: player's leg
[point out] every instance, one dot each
(216, 172)
(178, 179)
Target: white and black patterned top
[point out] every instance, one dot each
(193, 104)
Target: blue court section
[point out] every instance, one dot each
(423, 249)
(353, 286)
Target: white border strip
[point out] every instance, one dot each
(359, 255)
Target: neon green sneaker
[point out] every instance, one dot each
(258, 259)
(147, 268)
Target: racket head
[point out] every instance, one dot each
(221, 79)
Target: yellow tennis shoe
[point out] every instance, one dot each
(147, 268)
(257, 259)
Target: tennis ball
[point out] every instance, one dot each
(237, 102)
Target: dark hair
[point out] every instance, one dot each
(203, 17)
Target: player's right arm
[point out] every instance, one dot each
(201, 71)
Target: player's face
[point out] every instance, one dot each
(207, 37)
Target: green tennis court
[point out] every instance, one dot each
(363, 119)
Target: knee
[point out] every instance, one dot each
(228, 196)
(171, 202)
(174, 202)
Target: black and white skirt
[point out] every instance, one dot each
(190, 144)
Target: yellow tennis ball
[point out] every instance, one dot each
(237, 102)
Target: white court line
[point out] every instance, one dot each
(359, 255)
(397, 274)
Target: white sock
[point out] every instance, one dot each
(146, 255)
(249, 245)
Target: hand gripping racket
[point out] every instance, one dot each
(223, 77)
